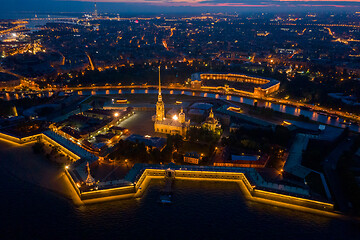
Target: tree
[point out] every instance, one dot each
(175, 141)
(166, 154)
(155, 155)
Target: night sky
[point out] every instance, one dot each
(156, 6)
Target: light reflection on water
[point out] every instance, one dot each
(200, 210)
(207, 210)
(322, 118)
(277, 107)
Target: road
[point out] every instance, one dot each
(11, 73)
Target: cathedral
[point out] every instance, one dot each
(211, 122)
(175, 124)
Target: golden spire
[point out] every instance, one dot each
(211, 115)
(89, 180)
(160, 108)
(159, 82)
(159, 97)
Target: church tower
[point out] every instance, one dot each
(160, 108)
(211, 114)
(182, 116)
(14, 111)
(89, 180)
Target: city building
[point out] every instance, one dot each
(192, 157)
(173, 125)
(149, 141)
(266, 85)
(211, 122)
(119, 130)
(231, 158)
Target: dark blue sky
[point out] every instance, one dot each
(156, 6)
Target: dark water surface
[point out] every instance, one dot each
(201, 210)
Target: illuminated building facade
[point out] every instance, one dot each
(192, 157)
(211, 122)
(266, 85)
(175, 124)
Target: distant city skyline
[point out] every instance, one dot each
(238, 3)
(176, 6)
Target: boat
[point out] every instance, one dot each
(322, 113)
(345, 122)
(165, 199)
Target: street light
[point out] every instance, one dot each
(116, 114)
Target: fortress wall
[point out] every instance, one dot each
(254, 194)
(36, 137)
(293, 200)
(149, 173)
(23, 140)
(108, 192)
(72, 182)
(248, 190)
(62, 148)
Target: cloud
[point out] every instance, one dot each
(174, 6)
(238, 3)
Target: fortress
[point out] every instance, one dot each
(133, 185)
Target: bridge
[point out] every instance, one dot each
(204, 89)
(218, 90)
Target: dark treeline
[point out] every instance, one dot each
(138, 152)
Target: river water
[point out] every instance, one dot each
(200, 210)
(321, 118)
(318, 117)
